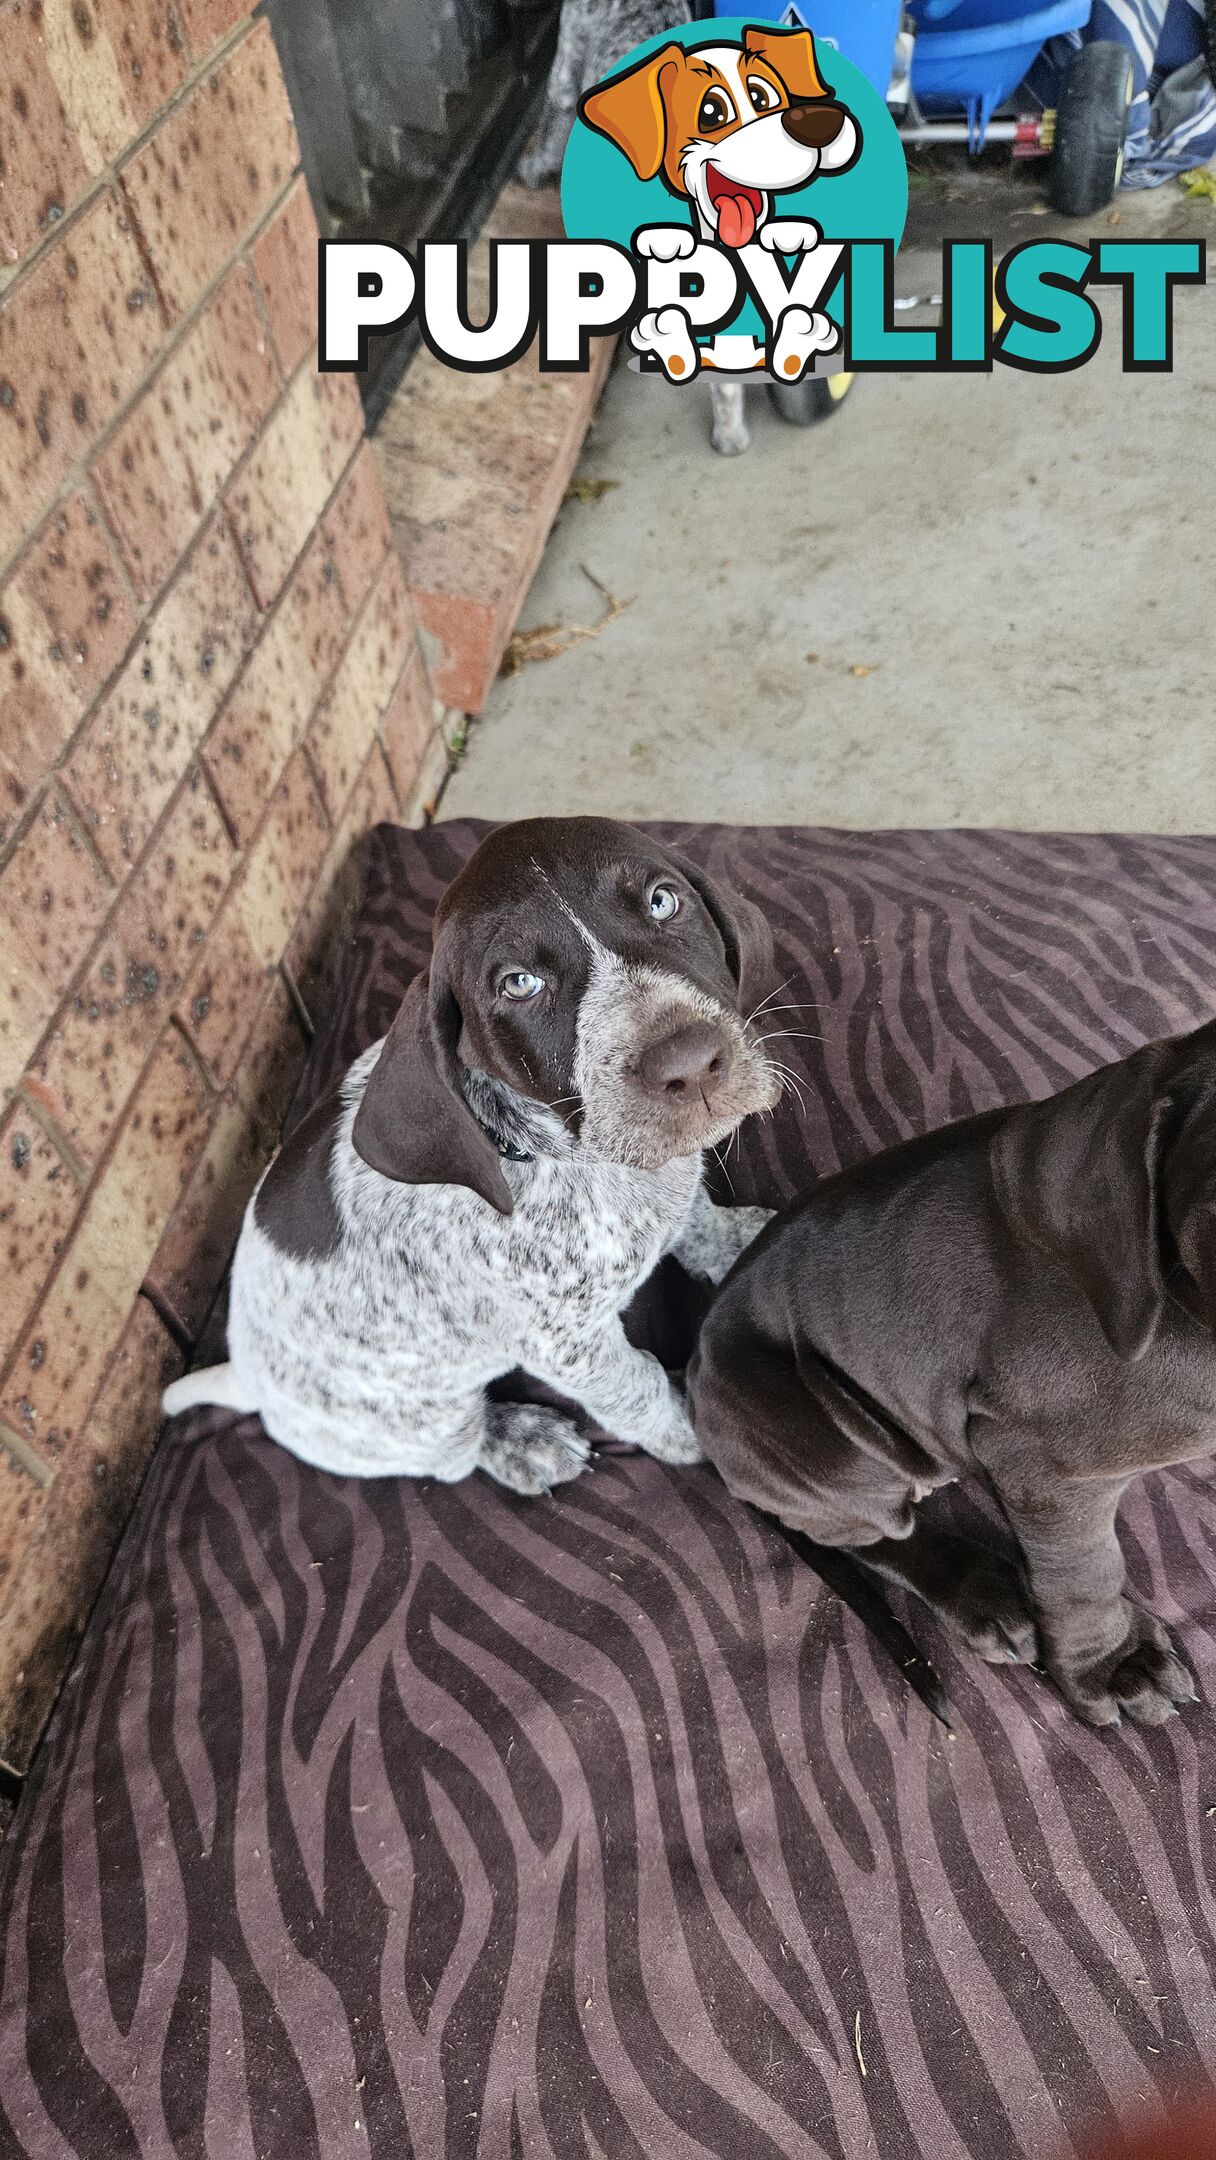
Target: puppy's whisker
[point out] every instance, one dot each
(789, 1083)
(721, 1162)
(771, 1010)
(792, 1035)
(768, 1000)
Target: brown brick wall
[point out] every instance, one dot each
(210, 685)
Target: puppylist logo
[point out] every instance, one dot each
(733, 140)
(733, 197)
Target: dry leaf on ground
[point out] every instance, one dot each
(585, 490)
(546, 640)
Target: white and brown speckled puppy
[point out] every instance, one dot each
(492, 1183)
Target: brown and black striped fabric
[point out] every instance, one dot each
(402, 1820)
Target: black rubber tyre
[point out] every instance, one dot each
(1091, 128)
(806, 403)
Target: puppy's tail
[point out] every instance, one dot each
(858, 1590)
(215, 1384)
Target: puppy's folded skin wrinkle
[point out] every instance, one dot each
(1027, 1296)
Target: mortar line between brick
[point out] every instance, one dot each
(177, 1027)
(296, 995)
(171, 1322)
(331, 823)
(31, 1462)
(54, 786)
(96, 501)
(378, 751)
(234, 838)
(48, 1127)
(259, 297)
(394, 790)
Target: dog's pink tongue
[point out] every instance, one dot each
(736, 220)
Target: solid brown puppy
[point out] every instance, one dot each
(1028, 1296)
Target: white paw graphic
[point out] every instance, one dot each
(667, 333)
(665, 243)
(790, 236)
(800, 335)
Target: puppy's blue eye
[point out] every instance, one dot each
(520, 985)
(663, 903)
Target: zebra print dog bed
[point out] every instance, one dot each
(397, 1820)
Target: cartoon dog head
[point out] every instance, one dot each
(728, 126)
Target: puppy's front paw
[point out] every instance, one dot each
(667, 333)
(530, 1448)
(801, 334)
(988, 1607)
(665, 243)
(789, 236)
(1144, 1679)
(675, 1441)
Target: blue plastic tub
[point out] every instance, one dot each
(969, 55)
(983, 53)
(863, 30)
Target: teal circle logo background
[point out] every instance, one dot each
(603, 198)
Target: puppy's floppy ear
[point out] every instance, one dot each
(1189, 1177)
(413, 1123)
(631, 109)
(791, 55)
(1079, 1176)
(744, 931)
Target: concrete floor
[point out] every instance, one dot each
(1022, 566)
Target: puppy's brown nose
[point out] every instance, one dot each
(692, 1061)
(814, 124)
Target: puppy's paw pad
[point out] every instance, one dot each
(532, 1449)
